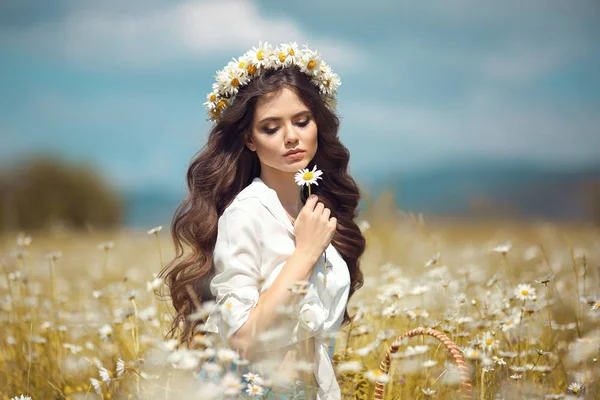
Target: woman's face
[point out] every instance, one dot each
(282, 123)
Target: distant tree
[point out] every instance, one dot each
(45, 191)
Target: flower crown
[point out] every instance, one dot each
(253, 63)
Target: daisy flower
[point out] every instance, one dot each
(286, 56)
(310, 62)
(260, 56)
(488, 342)
(503, 248)
(23, 240)
(231, 78)
(576, 388)
(105, 332)
(252, 378)
(524, 292)
(306, 177)
(120, 367)
(21, 397)
(154, 230)
(350, 367)
(96, 384)
(329, 81)
(254, 390)
(104, 374)
(433, 260)
(375, 375)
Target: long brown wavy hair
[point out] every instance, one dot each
(224, 166)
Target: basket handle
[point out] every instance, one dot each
(465, 385)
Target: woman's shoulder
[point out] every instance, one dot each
(246, 206)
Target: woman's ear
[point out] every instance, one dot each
(250, 143)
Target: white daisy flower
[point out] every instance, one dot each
(254, 390)
(106, 246)
(253, 378)
(428, 392)
(576, 388)
(106, 332)
(104, 375)
(260, 56)
(328, 81)
(242, 63)
(154, 284)
(306, 177)
(96, 384)
(488, 342)
(498, 360)
(310, 62)
(120, 367)
(154, 230)
(331, 103)
(23, 240)
(503, 248)
(285, 56)
(233, 385)
(231, 78)
(350, 366)
(375, 375)
(524, 292)
(433, 260)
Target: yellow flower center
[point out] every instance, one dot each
(524, 292)
(235, 82)
(575, 390)
(311, 64)
(508, 323)
(221, 104)
(251, 69)
(213, 97)
(215, 112)
(282, 56)
(260, 55)
(242, 64)
(489, 342)
(326, 82)
(308, 176)
(255, 389)
(228, 305)
(292, 52)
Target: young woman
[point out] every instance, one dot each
(280, 265)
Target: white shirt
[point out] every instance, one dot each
(255, 238)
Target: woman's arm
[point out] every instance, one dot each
(298, 267)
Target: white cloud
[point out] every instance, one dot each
(189, 30)
(417, 136)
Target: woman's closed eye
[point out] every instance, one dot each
(301, 124)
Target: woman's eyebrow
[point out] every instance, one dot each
(278, 118)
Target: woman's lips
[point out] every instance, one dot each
(299, 154)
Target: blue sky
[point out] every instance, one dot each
(121, 84)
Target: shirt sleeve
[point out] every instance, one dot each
(237, 260)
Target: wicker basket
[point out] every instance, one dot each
(465, 385)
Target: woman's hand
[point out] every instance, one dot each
(314, 228)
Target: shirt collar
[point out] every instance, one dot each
(269, 199)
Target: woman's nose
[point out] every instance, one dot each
(290, 133)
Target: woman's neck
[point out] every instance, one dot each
(287, 191)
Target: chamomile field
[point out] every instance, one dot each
(81, 318)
